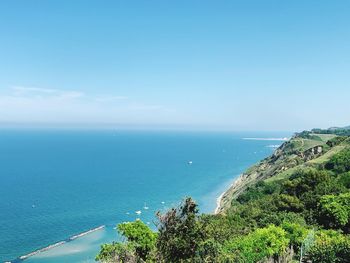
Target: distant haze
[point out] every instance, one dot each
(221, 65)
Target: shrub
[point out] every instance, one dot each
(340, 162)
(330, 247)
(261, 244)
(335, 210)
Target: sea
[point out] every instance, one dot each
(56, 184)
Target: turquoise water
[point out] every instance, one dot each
(55, 184)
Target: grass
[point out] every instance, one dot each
(283, 175)
(324, 137)
(326, 157)
(320, 160)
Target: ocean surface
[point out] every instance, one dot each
(58, 183)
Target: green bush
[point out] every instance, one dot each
(330, 247)
(116, 252)
(340, 162)
(261, 244)
(335, 210)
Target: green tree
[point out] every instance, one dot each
(295, 233)
(330, 247)
(140, 243)
(139, 236)
(340, 162)
(262, 244)
(335, 210)
(116, 252)
(180, 233)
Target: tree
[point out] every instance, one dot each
(139, 236)
(261, 244)
(295, 233)
(180, 233)
(340, 163)
(335, 210)
(116, 252)
(330, 247)
(140, 242)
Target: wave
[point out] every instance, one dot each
(273, 146)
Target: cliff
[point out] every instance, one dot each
(305, 149)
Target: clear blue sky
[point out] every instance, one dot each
(241, 65)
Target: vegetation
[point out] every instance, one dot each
(293, 206)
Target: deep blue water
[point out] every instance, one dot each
(55, 184)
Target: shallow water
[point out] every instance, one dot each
(55, 184)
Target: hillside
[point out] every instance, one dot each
(293, 206)
(306, 149)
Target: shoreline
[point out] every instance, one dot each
(220, 197)
(235, 187)
(59, 243)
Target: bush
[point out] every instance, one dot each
(330, 247)
(261, 244)
(116, 252)
(340, 162)
(344, 179)
(335, 210)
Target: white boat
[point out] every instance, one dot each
(145, 207)
(138, 212)
(190, 162)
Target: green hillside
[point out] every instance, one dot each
(293, 206)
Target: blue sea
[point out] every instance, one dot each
(59, 183)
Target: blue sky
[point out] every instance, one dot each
(240, 65)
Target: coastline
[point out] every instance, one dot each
(238, 185)
(220, 197)
(223, 199)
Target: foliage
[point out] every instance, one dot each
(261, 244)
(139, 236)
(330, 247)
(116, 252)
(336, 140)
(139, 245)
(180, 233)
(270, 221)
(295, 233)
(257, 191)
(344, 179)
(335, 210)
(340, 163)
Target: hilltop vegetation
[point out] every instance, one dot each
(292, 206)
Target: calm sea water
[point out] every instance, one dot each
(55, 184)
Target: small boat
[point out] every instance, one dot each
(33, 206)
(190, 162)
(145, 207)
(163, 202)
(138, 212)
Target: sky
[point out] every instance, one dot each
(230, 65)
